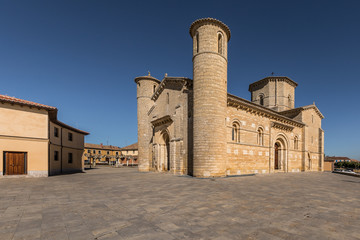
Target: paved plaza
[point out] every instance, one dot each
(121, 203)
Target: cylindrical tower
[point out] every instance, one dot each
(210, 38)
(146, 86)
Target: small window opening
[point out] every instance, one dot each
(70, 158)
(235, 133)
(154, 88)
(56, 155)
(261, 100)
(289, 101)
(296, 143)
(70, 136)
(260, 137)
(167, 98)
(220, 47)
(56, 132)
(197, 42)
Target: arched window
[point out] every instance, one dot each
(235, 133)
(154, 88)
(261, 100)
(260, 136)
(197, 42)
(220, 44)
(296, 143)
(289, 101)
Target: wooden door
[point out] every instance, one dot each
(276, 156)
(15, 163)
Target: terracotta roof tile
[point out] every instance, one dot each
(8, 99)
(100, 146)
(131, 147)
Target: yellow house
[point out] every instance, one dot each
(34, 143)
(101, 154)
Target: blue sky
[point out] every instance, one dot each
(82, 57)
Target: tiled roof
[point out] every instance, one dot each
(8, 99)
(337, 158)
(131, 147)
(100, 146)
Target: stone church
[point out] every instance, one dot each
(195, 127)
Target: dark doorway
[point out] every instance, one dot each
(276, 163)
(167, 150)
(15, 163)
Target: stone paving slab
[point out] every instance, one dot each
(121, 203)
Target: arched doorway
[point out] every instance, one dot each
(280, 155)
(165, 152)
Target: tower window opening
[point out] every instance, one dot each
(220, 47)
(167, 98)
(261, 100)
(197, 42)
(235, 133)
(154, 88)
(289, 101)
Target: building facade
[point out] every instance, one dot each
(34, 143)
(194, 126)
(129, 155)
(101, 154)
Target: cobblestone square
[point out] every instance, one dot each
(122, 203)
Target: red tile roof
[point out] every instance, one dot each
(131, 147)
(13, 100)
(337, 158)
(100, 146)
(52, 110)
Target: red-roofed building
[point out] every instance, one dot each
(34, 143)
(129, 155)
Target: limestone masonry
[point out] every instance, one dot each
(196, 127)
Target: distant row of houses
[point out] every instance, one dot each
(110, 155)
(33, 142)
(330, 161)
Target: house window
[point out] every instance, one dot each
(296, 143)
(235, 133)
(56, 132)
(89, 151)
(94, 151)
(70, 136)
(99, 152)
(56, 155)
(260, 137)
(70, 157)
(117, 153)
(220, 44)
(107, 152)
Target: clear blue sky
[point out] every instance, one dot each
(82, 57)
